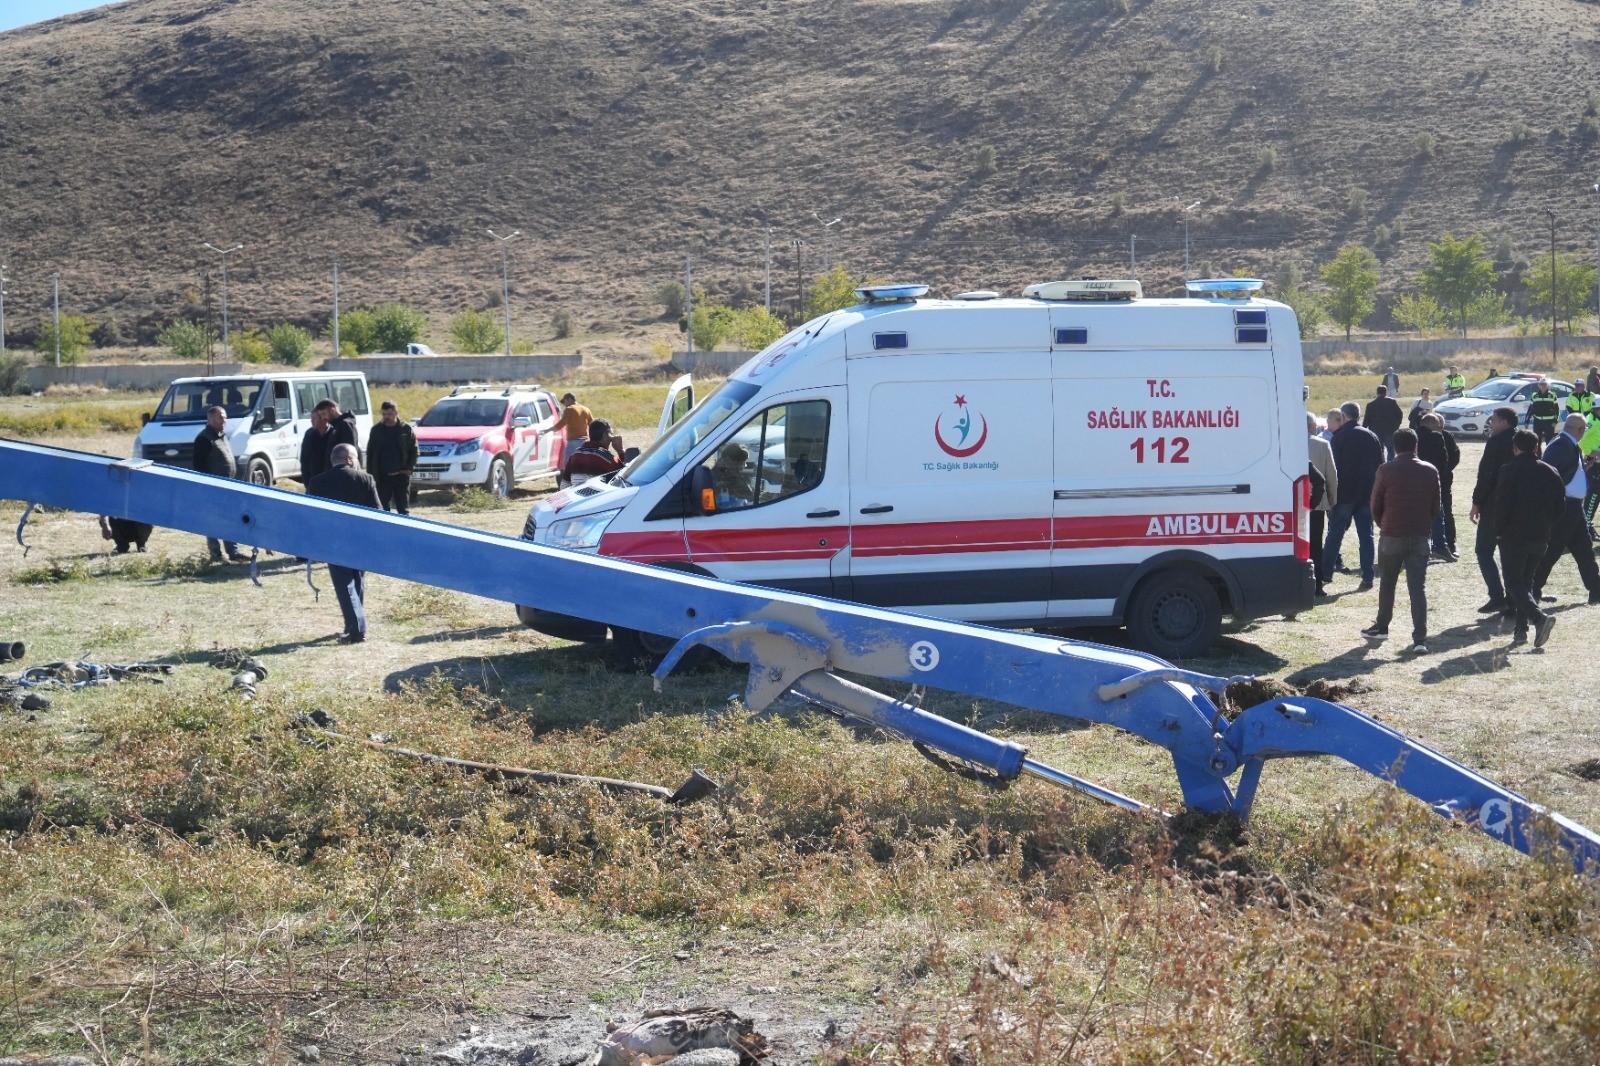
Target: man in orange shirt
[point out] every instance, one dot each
(575, 419)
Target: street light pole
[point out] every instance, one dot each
(1186, 211)
(336, 310)
(505, 281)
(799, 277)
(224, 252)
(827, 229)
(1133, 255)
(2, 310)
(769, 266)
(55, 281)
(688, 306)
(1552, 213)
(1597, 255)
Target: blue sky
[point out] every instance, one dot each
(14, 13)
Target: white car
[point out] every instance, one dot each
(1470, 413)
(492, 436)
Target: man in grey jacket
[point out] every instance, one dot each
(1321, 453)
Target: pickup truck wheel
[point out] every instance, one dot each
(499, 480)
(259, 473)
(1174, 614)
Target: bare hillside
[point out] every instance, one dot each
(619, 136)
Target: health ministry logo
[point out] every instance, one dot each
(952, 434)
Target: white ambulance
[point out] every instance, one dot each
(1078, 456)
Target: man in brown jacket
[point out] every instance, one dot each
(1405, 502)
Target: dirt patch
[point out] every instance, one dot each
(1243, 694)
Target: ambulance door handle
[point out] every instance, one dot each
(880, 509)
(822, 514)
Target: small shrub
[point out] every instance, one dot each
(671, 297)
(1519, 133)
(290, 344)
(186, 338)
(1144, 70)
(358, 329)
(76, 330)
(347, 350)
(476, 332)
(561, 323)
(710, 325)
(661, 350)
(1214, 59)
(1424, 145)
(249, 346)
(1267, 158)
(1119, 203)
(1588, 130)
(1382, 236)
(13, 374)
(985, 163)
(469, 500)
(396, 325)
(108, 334)
(755, 328)
(1355, 200)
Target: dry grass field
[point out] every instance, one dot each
(183, 878)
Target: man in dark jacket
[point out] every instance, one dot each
(1526, 503)
(391, 456)
(1571, 532)
(345, 483)
(1357, 454)
(1405, 502)
(1383, 417)
(1436, 447)
(596, 458)
(1496, 453)
(214, 455)
(329, 429)
(1543, 411)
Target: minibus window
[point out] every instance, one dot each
(189, 401)
(687, 432)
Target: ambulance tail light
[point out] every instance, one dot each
(1302, 518)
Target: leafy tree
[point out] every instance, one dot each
(671, 296)
(710, 325)
(76, 331)
(186, 338)
(290, 344)
(397, 325)
(250, 347)
(1308, 310)
(477, 332)
(1458, 273)
(756, 327)
(1420, 312)
(1574, 287)
(1488, 311)
(358, 330)
(832, 291)
(1352, 278)
(13, 374)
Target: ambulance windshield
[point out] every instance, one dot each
(687, 432)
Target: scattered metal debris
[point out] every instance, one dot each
(248, 671)
(697, 786)
(12, 650)
(662, 1036)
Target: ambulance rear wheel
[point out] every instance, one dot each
(1175, 614)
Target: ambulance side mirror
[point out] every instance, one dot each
(702, 496)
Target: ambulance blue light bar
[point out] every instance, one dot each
(888, 294)
(1226, 288)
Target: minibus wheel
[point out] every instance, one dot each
(259, 473)
(1175, 614)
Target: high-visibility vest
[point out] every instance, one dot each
(1455, 381)
(1580, 403)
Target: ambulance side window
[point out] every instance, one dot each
(781, 452)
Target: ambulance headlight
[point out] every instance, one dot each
(581, 534)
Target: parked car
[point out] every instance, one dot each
(492, 436)
(411, 349)
(1470, 413)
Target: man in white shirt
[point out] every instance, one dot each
(1571, 532)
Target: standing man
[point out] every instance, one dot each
(1322, 467)
(1527, 500)
(1496, 453)
(214, 455)
(575, 419)
(1571, 532)
(391, 456)
(1436, 447)
(1543, 411)
(1455, 383)
(315, 448)
(345, 483)
(1423, 405)
(1405, 502)
(1357, 454)
(1593, 381)
(1580, 401)
(1383, 417)
(1391, 381)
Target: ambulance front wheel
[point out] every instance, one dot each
(1174, 614)
(644, 651)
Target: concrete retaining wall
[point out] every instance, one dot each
(137, 377)
(461, 369)
(709, 362)
(1428, 352)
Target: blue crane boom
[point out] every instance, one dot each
(800, 644)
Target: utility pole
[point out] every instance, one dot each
(688, 303)
(224, 252)
(1133, 255)
(55, 280)
(1186, 211)
(799, 247)
(769, 270)
(2, 310)
(210, 333)
(827, 230)
(1552, 213)
(505, 281)
(1596, 259)
(336, 310)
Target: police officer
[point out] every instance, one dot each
(1580, 401)
(1455, 383)
(1543, 412)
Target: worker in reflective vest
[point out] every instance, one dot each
(1581, 400)
(1455, 383)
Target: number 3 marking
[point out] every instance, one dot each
(924, 655)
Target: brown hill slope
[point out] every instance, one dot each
(620, 135)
